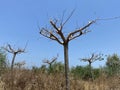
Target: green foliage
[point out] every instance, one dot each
(96, 73)
(35, 69)
(3, 61)
(56, 67)
(77, 71)
(113, 65)
(43, 69)
(81, 72)
(85, 72)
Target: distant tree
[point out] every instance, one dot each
(56, 34)
(94, 57)
(50, 62)
(113, 64)
(13, 51)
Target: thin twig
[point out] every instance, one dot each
(68, 17)
(104, 19)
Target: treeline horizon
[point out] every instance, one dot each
(51, 74)
(111, 67)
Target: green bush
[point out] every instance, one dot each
(113, 65)
(3, 61)
(85, 72)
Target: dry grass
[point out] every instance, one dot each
(28, 80)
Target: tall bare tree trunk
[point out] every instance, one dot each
(66, 60)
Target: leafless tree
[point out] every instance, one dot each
(58, 35)
(11, 50)
(94, 57)
(51, 61)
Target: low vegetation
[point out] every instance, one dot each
(51, 77)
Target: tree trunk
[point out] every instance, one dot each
(66, 61)
(12, 75)
(13, 59)
(91, 73)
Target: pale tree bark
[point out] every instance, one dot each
(57, 34)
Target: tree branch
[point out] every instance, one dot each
(50, 62)
(54, 25)
(58, 30)
(79, 32)
(9, 49)
(49, 35)
(68, 18)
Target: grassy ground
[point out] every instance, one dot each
(29, 80)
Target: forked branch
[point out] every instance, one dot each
(50, 61)
(50, 35)
(9, 49)
(79, 32)
(58, 30)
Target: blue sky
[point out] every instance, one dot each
(19, 20)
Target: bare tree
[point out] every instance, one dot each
(11, 50)
(50, 62)
(94, 57)
(57, 34)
